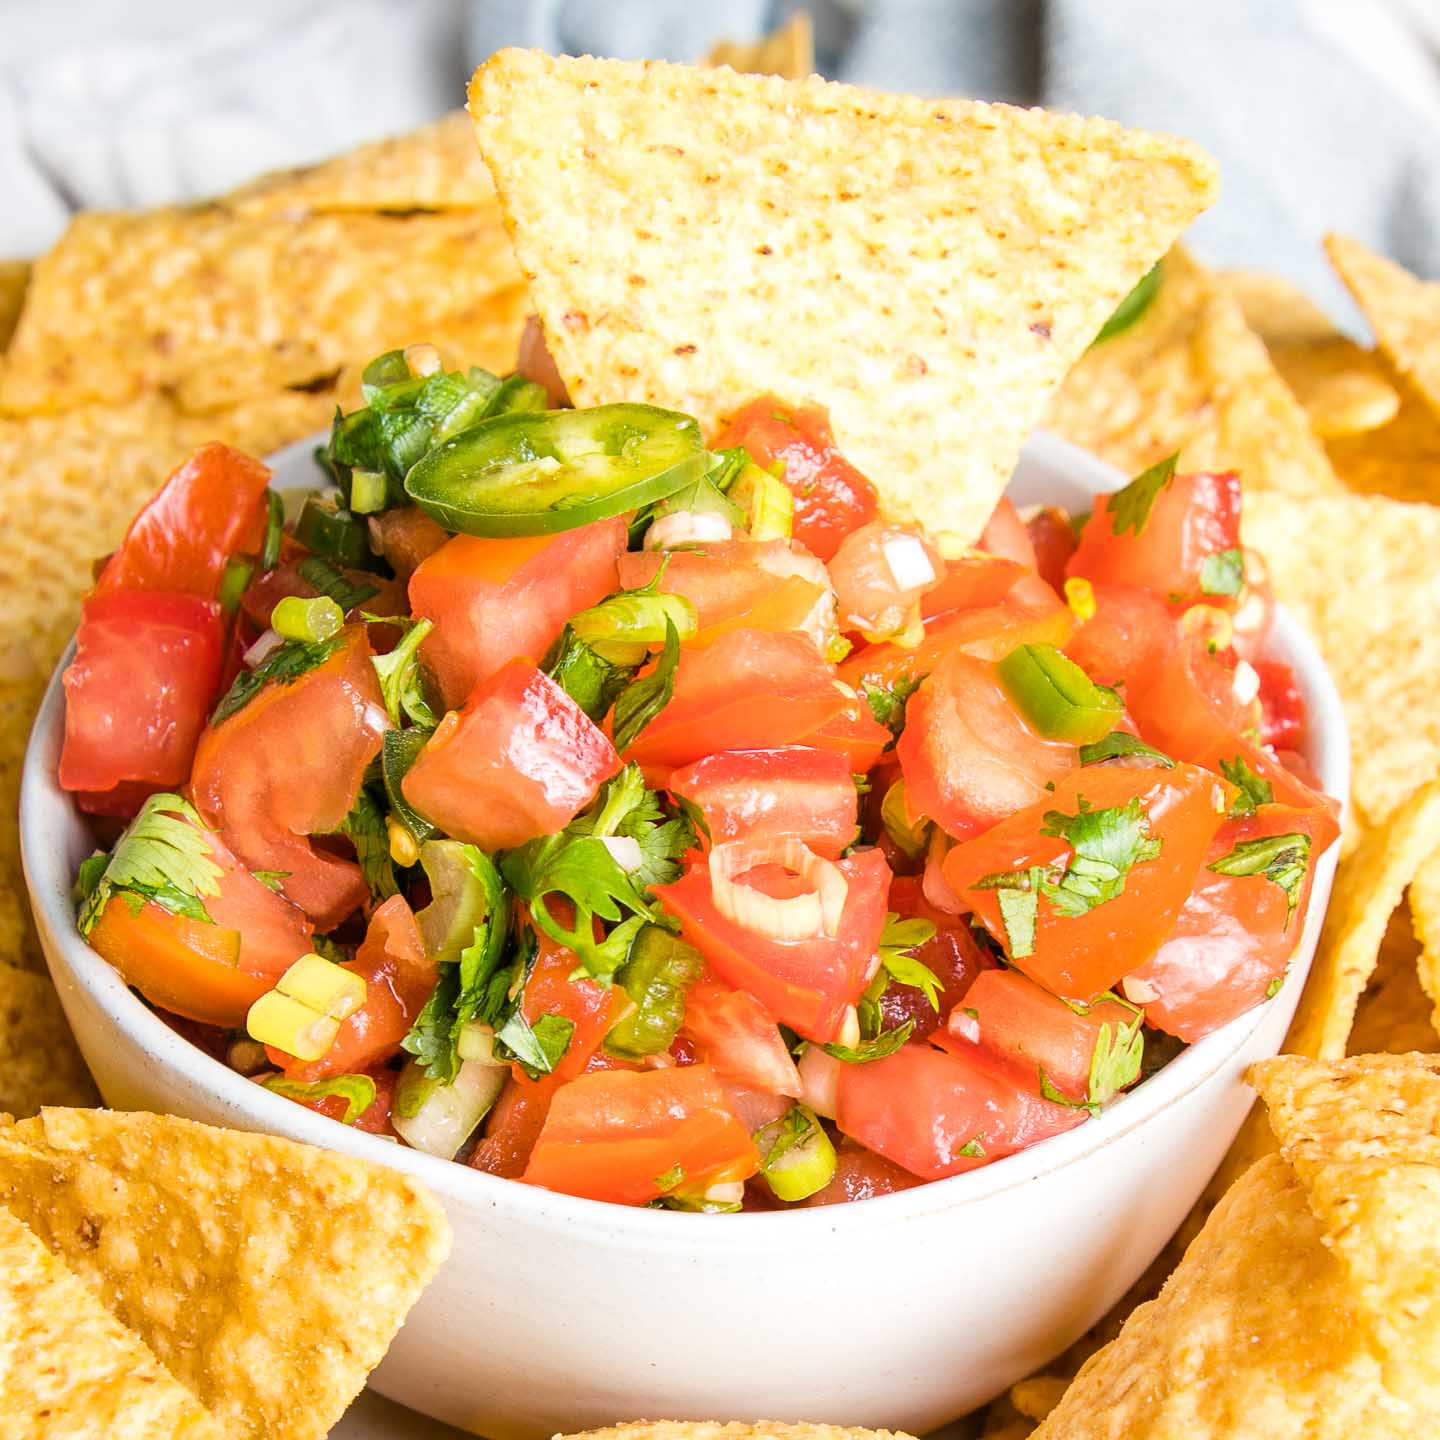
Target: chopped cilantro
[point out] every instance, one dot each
(282, 666)
(972, 1149)
(1274, 987)
(1118, 744)
(334, 583)
(399, 672)
(1223, 573)
(1134, 305)
(643, 699)
(882, 1045)
(272, 879)
(1115, 1061)
(364, 827)
(1019, 910)
(1105, 845)
(900, 937)
(357, 1091)
(1283, 859)
(1129, 509)
(1254, 791)
(590, 680)
(540, 1047)
(887, 703)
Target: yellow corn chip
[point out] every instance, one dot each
(1404, 312)
(433, 168)
(1254, 1337)
(735, 1430)
(788, 52)
(1394, 1012)
(928, 270)
(1364, 1136)
(1275, 308)
(68, 1371)
(14, 278)
(39, 1064)
(1425, 903)
(267, 1276)
(1358, 572)
(1400, 459)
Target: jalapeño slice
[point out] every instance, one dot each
(537, 473)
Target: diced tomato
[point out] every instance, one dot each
(1053, 539)
(861, 1174)
(399, 978)
(1080, 955)
(952, 955)
(1189, 704)
(974, 580)
(1126, 640)
(1282, 706)
(832, 497)
(590, 1006)
(288, 765)
(1194, 518)
(854, 734)
(1005, 534)
(805, 984)
(145, 674)
(750, 690)
(764, 794)
(406, 536)
(613, 1135)
(937, 1112)
(969, 758)
(210, 508)
(521, 760)
(1235, 935)
(722, 581)
(989, 633)
(273, 932)
(535, 362)
(1034, 1032)
(737, 1036)
(493, 600)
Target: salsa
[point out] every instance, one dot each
(658, 821)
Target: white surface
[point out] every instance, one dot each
(561, 1314)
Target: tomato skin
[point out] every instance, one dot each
(765, 794)
(921, 1106)
(1033, 1032)
(1125, 640)
(491, 600)
(185, 966)
(861, 1174)
(610, 1134)
(288, 765)
(1235, 934)
(832, 497)
(749, 690)
(1006, 534)
(1193, 518)
(854, 734)
(804, 984)
(1283, 720)
(520, 760)
(738, 1038)
(398, 980)
(968, 757)
(1080, 956)
(406, 537)
(212, 506)
(145, 674)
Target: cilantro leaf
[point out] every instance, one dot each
(334, 583)
(1254, 791)
(1105, 845)
(398, 752)
(972, 1149)
(1019, 910)
(400, 683)
(882, 1045)
(364, 828)
(1134, 305)
(887, 703)
(272, 879)
(283, 665)
(539, 1047)
(643, 699)
(357, 1091)
(1129, 509)
(1116, 1059)
(1283, 859)
(163, 856)
(1117, 745)
(1223, 573)
(898, 939)
(590, 680)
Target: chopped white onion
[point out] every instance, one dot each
(448, 1115)
(967, 1027)
(1246, 684)
(850, 1028)
(908, 563)
(1138, 992)
(688, 527)
(422, 359)
(267, 642)
(820, 1080)
(624, 851)
(477, 1043)
(725, 1192)
(799, 917)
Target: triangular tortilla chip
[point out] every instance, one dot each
(1364, 1137)
(788, 51)
(928, 270)
(268, 1277)
(1400, 459)
(1403, 310)
(39, 1064)
(68, 1371)
(1394, 1012)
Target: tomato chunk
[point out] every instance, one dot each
(937, 1112)
(1006, 534)
(764, 794)
(1191, 702)
(210, 508)
(733, 1031)
(832, 497)
(968, 757)
(861, 1174)
(1174, 550)
(521, 760)
(144, 676)
(288, 765)
(1078, 955)
(1282, 707)
(626, 1135)
(1126, 640)
(805, 984)
(492, 600)
(970, 582)
(1053, 539)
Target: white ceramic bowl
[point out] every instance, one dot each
(556, 1313)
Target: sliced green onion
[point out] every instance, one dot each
(274, 530)
(367, 491)
(325, 529)
(797, 1157)
(1057, 698)
(438, 1118)
(466, 889)
(633, 618)
(895, 817)
(769, 504)
(658, 971)
(236, 577)
(296, 618)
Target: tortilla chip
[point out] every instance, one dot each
(1403, 311)
(788, 51)
(220, 308)
(1358, 572)
(1364, 1137)
(269, 1277)
(1400, 459)
(1425, 904)
(1255, 1337)
(39, 1064)
(1394, 1012)
(68, 1371)
(735, 1430)
(433, 168)
(926, 270)
(1275, 308)
(14, 279)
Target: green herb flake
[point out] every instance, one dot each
(887, 703)
(1019, 910)
(364, 828)
(643, 699)
(1223, 573)
(357, 1091)
(1116, 1059)
(899, 938)
(882, 1045)
(672, 1179)
(282, 666)
(1129, 509)
(1119, 744)
(973, 1149)
(1254, 791)
(1282, 859)
(540, 1047)
(1105, 846)
(329, 581)
(400, 683)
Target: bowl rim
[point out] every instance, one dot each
(45, 811)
